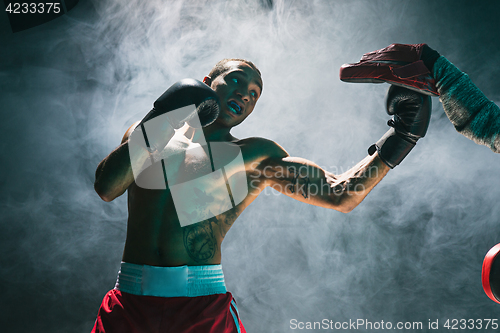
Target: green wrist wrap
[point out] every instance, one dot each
(468, 109)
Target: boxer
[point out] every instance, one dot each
(188, 179)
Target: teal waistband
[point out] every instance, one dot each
(182, 281)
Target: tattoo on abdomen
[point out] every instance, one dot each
(200, 242)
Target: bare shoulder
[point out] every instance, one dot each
(129, 131)
(257, 149)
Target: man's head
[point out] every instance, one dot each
(221, 67)
(238, 84)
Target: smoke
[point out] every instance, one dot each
(412, 251)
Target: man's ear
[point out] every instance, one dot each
(207, 80)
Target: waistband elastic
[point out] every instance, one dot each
(182, 281)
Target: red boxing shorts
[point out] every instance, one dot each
(197, 307)
(126, 313)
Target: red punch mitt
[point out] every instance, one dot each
(397, 64)
(491, 273)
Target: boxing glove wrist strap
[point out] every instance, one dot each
(176, 121)
(391, 148)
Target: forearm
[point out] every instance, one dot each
(305, 181)
(114, 174)
(472, 114)
(120, 168)
(354, 185)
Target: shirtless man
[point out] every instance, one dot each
(170, 279)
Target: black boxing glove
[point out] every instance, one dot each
(412, 113)
(179, 98)
(188, 100)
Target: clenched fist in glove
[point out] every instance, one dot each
(411, 115)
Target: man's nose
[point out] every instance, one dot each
(243, 93)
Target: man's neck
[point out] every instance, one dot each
(214, 132)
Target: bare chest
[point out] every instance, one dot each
(206, 180)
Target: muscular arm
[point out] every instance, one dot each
(115, 172)
(305, 181)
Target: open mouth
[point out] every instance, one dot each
(234, 107)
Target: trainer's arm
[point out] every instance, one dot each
(305, 181)
(469, 110)
(115, 172)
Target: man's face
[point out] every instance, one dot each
(238, 89)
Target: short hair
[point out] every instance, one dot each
(220, 67)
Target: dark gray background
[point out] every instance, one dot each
(412, 251)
